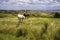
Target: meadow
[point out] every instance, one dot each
(32, 28)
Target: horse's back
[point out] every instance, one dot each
(21, 16)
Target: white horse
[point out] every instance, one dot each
(21, 17)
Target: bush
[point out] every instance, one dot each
(57, 35)
(21, 32)
(57, 15)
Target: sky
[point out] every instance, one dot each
(29, 4)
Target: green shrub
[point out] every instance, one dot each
(21, 32)
(57, 15)
(57, 35)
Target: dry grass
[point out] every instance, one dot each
(31, 28)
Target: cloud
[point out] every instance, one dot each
(29, 4)
(42, 1)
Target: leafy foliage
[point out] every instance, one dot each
(57, 15)
(33, 28)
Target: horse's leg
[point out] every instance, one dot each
(18, 22)
(22, 21)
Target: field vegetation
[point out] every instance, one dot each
(39, 26)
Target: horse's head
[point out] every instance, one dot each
(26, 15)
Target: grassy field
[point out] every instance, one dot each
(32, 28)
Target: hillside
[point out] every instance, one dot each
(32, 28)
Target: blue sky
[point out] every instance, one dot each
(30, 4)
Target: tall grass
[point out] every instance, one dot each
(33, 28)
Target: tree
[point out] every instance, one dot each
(57, 15)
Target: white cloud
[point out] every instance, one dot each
(42, 4)
(43, 1)
(26, 2)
